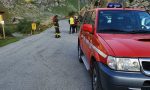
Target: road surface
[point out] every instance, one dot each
(42, 62)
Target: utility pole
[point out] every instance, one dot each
(4, 36)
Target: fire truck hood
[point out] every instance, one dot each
(128, 45)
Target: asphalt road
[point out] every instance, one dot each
(42, 62)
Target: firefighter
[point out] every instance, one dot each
(76, 21)
(71, 22)
(56, 25)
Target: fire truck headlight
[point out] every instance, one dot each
(111, 62)
(123, 64)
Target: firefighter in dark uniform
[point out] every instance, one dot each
(56, 25)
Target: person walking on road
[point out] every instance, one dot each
(56, 26)
(71, 22)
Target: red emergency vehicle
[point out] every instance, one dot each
(114, 45)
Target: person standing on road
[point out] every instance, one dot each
(71, 22)
(56, 26)
(76, 21)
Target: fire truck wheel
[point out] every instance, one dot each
(80, 53)
(96, 80)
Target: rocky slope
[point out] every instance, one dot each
(139, 4)
(37, 9)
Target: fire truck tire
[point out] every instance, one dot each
(80, 53)
(96, 80)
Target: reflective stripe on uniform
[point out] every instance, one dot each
(57, 33)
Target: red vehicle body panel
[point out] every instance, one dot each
(128, 45)
(96, 47)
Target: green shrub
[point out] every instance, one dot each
(38, 23)
(9, 29)
(71, 13)
(24, 26)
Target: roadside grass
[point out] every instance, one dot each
(23, 29)
(8, 40)
(9, 29)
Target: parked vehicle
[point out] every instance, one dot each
(114, 45)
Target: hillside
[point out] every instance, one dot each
(140, 3)
(43, 9)
(37, 9)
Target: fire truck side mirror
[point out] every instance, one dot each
(87, 28)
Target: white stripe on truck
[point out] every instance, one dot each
(95, 48)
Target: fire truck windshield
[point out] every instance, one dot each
(123, 21)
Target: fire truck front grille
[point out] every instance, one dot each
(145, 64)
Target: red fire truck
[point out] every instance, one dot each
(114, 45)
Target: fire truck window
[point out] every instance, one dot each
(126, 21)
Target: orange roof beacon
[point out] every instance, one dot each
(114, 45)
